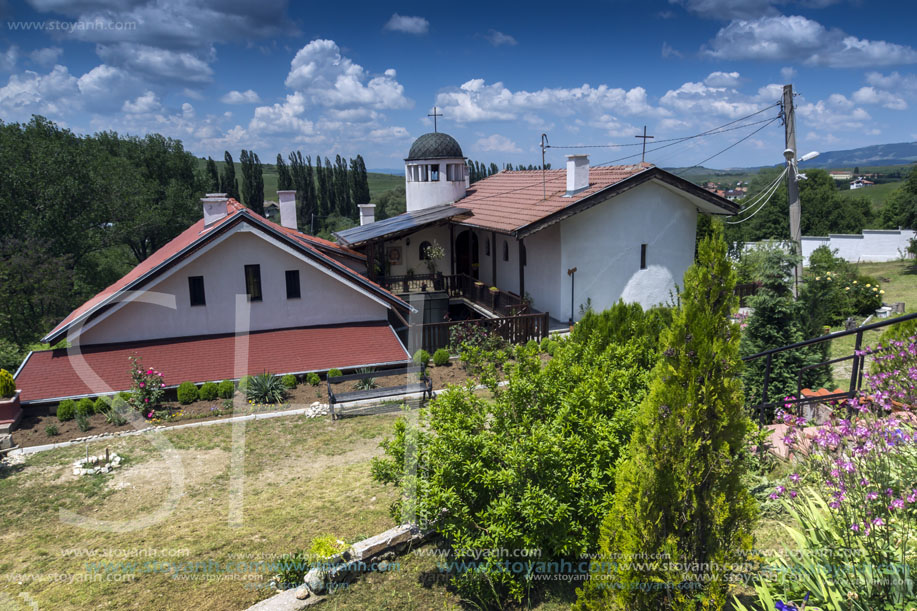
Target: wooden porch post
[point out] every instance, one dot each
(470, 258)
(452, 248)
(493, 257)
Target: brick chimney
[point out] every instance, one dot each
(577, 174)
(214, 207)
(287, 204)
(367, 214)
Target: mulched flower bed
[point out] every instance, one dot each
(31, 431)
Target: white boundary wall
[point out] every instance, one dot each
(873, 245)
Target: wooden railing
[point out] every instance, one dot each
(516, 329)
(460, 285)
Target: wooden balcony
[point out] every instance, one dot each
(501, 303)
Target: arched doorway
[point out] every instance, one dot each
(466, 253)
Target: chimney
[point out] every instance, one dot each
(214, 207)
(287, 205)
(577, 174)
(367, 214)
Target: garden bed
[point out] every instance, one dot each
(32, 428)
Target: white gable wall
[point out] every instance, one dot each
(325, 298)
(543, 271)
(603, 243)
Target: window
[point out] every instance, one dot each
(643, 256)
(423, 250)
(434, 172)
(455, 172)
(253, 282)
(196, 290)
(487, 247)
(505, 251)
(522, 256)
(293, 284)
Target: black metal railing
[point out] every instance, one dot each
(498, 301)
(856, 372)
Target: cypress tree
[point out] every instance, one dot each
(252, 181)
(361, 194)
(213, 176)
(284, 180)
(228, 183)
(679, 497)
(329, 195)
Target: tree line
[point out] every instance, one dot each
(327, 194)
(479, 171)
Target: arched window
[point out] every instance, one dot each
(505, 251)
(522, 256)
(423, 250)
(487, 247)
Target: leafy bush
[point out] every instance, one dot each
(244, 381)
(552, 347)
(621, 321)
(51, 430)
(289, 381)
(544, 343)
(313, 379)
(116, 413)
(146, 387)
(265, 388)
(66, 410)
(209, 391)
(85, 407)
(333, 373)
(187, 393)
(473, 333)
(421, 357)
(441, 357)
(531, 468)
(100, 405)
(82, 421)
(226, 389)
(679, 495)
(7, 384)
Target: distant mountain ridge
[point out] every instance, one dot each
(898, 153)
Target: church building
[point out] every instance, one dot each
(559, 241)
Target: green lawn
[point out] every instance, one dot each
(876, 194)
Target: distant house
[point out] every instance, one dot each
(860, 183)
(232, 295)
(272, 211)
(556, 241)
(840, 175)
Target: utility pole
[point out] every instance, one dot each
(792, 184)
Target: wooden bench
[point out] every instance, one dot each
(423, 385)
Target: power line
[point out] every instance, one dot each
(769, 192)
(741, 140)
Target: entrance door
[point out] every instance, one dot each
(466, 253)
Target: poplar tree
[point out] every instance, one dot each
(303, 180)
(284, 180)
(212, 176)
(329, 194)
(679, 498)
(361, 193)
(252, 181)
(228, 183)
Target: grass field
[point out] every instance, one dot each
(378, 183)
(876, 194)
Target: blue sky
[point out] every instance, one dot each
(344, 78)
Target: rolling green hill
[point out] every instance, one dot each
(378, 183)
(876, 194)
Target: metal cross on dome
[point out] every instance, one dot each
(434, 115)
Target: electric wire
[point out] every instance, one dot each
(737, 142)
(768, 192)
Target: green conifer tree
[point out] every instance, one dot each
(228, 184)
(213, 176)
(284, 180)
(679, 497)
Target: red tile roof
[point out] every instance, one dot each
(512, 199)
(194, 235)
(53, 374)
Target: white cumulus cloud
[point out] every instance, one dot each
(241, 97)
(407, 25)
(497, 143)
(146, 103)
(722, 79)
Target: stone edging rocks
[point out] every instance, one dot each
(345, 567)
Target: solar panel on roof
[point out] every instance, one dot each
(395, 224)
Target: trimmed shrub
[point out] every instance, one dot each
(313, 379)
(187, 393)
(226, 389)
(422, 357)
(441, 357)
(85, 407)
(125, 396)
(7, 384)
(82, 421)
(244, 381)
(100, 405)
(552, 347)
(51, 430)
(333, 373)
(209, 391)
(544, 343)
(66, 410)
(265, 388)
(289, 381)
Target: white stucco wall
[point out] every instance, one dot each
(874, 245)
(325, 299)
(420, 195)
(603, 243)
(544, 273)
(508, 271)
(410, 253)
